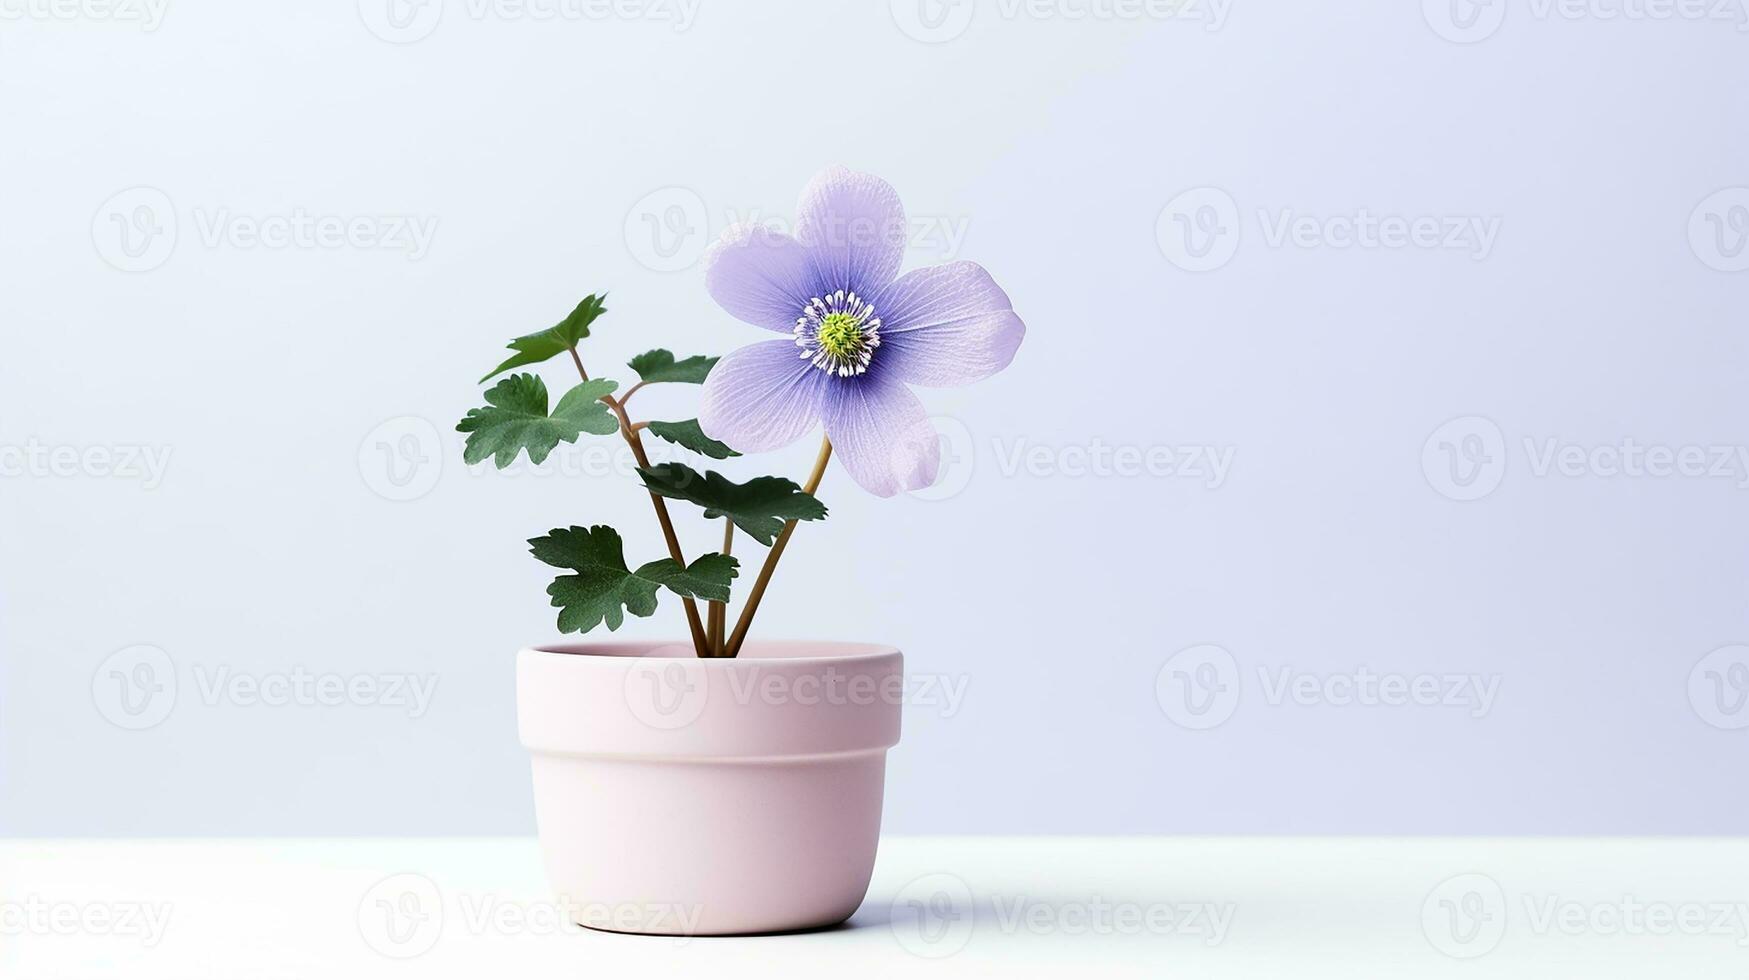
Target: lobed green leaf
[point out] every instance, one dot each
(602, 589)
(555, 340)
(688, 435)
(760, 506)
(515, 419)
(659, 365)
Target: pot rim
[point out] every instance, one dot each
(597, 651)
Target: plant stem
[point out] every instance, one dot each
(719, 611)
(746, 619)
(700, 643)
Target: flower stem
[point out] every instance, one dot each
(700, 643)
(746, 619)
(719, 611)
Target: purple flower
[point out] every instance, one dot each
(859, 334)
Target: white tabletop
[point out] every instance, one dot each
(1056, 907)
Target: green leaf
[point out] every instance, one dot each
(604, 589)
(659, 365)
(760, 506)
(555, 340)
(687, 434)
(516, 419)
(706, 578)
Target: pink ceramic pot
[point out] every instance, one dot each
(681, 796)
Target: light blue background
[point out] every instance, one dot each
(544, 148)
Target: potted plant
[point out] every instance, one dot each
(722, 785)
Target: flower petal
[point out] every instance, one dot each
(761, 276)
(761, 397)
(946, 325)
(854, 228)
(881, 433)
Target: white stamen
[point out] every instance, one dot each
(846, 306)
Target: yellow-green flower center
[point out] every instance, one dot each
(840, 335)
